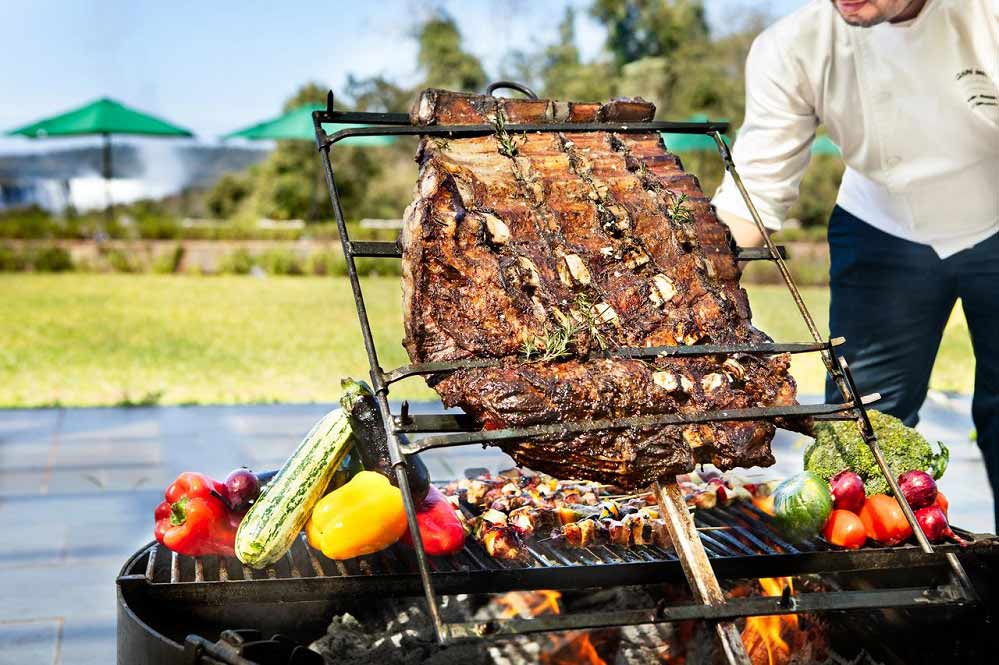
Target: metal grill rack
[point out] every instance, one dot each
(739, 540)
(452, 430)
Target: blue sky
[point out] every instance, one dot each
(218, 65)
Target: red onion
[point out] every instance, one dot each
(709, 473)
(934, 524)
(847, 491)
(918, 488)
(242, 488)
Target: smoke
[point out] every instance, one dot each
(160, 170)
(143, 168)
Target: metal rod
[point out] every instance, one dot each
(456, 131)
(624, 352)
(819, 601)
(841, 375)
(381, 388)
(756, 413)
(959, 574)
(386, 249)
(827, 358)
(697, 568)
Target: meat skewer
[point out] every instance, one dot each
(515, 507)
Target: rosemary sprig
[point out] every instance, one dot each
(507, 144)
(553, 343)
(591, 319)
(678, 210)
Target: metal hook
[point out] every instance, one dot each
(510, 85)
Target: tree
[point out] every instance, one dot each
(639, 29)
(377, 94)
(565, 76)
(444, 63)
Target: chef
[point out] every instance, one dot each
(908, 90)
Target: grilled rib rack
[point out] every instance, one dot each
(732, 542)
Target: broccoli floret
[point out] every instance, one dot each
(838, 445)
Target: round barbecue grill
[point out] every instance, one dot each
(175, 609)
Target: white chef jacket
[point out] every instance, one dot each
(912, 106)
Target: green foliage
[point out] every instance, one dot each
(838, 445)
(228, 193)
(325, 264)
(27, 223)
(443, 61)
(169, 262)
(642, 28)
(563, 74)
(51, 259)
(119, 260)
(280, 262)
(11, 260)
(237, 262)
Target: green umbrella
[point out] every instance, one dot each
(823, 145)
(103, 117)
(691, 142)
(296, 125)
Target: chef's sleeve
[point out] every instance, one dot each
(772, 149)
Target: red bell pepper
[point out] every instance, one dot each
(195, 518)
(441, 530)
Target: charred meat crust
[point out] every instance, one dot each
(542, 249)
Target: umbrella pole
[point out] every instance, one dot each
(108, 173)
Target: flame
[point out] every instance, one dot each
(529, 603)
(767, 630)
(569, 648)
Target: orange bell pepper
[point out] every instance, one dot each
(366, 515)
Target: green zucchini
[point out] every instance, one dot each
(285, 504)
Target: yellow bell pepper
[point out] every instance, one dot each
(366, 515)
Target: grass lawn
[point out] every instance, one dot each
(86, 339)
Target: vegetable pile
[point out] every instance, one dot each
(838, 446)
(346, 511)
(805, 506)
(340, 486)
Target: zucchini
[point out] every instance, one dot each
(371, 443)
(285, 504)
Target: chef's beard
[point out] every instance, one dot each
(881, 17)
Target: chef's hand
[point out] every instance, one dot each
(744, 231)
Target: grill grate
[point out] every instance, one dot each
(740, 540)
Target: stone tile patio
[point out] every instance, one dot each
(77, 489)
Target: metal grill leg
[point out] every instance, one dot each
(697, 569)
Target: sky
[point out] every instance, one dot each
(221, 65)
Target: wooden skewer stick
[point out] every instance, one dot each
(697, 568)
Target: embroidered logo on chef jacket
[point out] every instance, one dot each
(980, 92)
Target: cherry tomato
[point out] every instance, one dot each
(884, 520)
(844, 529)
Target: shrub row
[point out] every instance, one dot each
(237, 262)
(37, 224)
(321, 263)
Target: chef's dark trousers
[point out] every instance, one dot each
(891, 298)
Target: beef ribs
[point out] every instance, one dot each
(542, 251)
